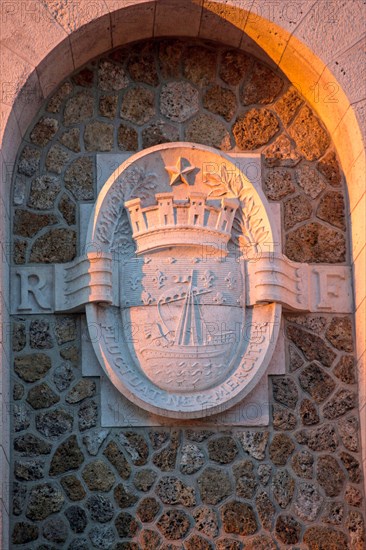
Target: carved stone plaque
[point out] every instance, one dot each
(181, 225)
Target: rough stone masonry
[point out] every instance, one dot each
(76, 485)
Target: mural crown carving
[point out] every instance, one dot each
(172, 222)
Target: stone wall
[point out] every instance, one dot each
(78, 485)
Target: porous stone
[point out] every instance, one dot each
(220, 101)
(285, 391)
(191, 460)
(18, 391)
(111, 76)
(309, 179)
(315, 381)
(116, 457)
(63, 376)
(356, 528)
(44, 131)
(222, 450)
(280, 449)
(41, 396)
(195, 542)
(283, 419)
(55, 530)
(56, 159)
(333, 512)
(79, 108)
(308, 502)
(245, 479)
(288, 529)
(315, 243)
(322, 438)
(126, 525)
(353, 496)
(135, 445)
(282, 152)
(43, 192)
(296, 210)
(98, 476)
(65, 329)
(40, 336)
(287, 105)
(166, 459)
(67, 456)
(124, 498)
(315, 323)
(108, 105)
(234, 66)
(30, 445)
(71, 139)
(70, 353)
(255, 128)
(278, 184)
(29, 470)
(127, 138)
(144, 479)
(18, 336)
(88, 415)
(100, 508)
(150, 540)
(324, 537)
(198, 435)
(172, 491)
(266, 510)
(148, 509)
(238, 518)
(339, 333)
(178, 101)
(261, 542)
(141, 65)
(28, 163)
(98, 136)
(302, 464)
(174, 524)
(53, 424)
(19, 495)
(343, 401)
(352, 466)
(83, 389)
(330, 475)
(102, 537)
(94, 440)
(159, 132)
(54, 104)
(170, 58)
(77, 518)
(332, 210)
(345, 369)
(206, 521)
(56, 246)
(44, 500)
(158, 438)
(27, 224)
(85, 78)
(308, 413)
(199, 65)
(138, 105)
(32, 367)
(254, 443)
(283, 487)
(209, 131)
(73, 488)
(21, 417)
(24, 532)
(313, 347)
(262, 86)
(348, 430)
(19, 190)
(214, 485)
(264, 473)
(309, 135)
(328, 166)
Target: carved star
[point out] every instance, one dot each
(179, 172)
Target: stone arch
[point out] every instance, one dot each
(32, 68)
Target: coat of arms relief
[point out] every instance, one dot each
(185, 280)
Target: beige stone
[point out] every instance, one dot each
(316, 243)
(138, 105)
(296, 210)
(309, 135)
(54, 104)
(56, 159)
(331, 209)
(178, 101)
(234, 66)
(278, 184)
(44, 131)
(98, 136)
(209, 131)
(199, 65)
(282, 152)
(79, 108)
(220, 101)
(255, 128)
(263, 86)
(287, 105)
(309, 180)
(127, 138)
(108, 105)
(111, 76)
(71, 139)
